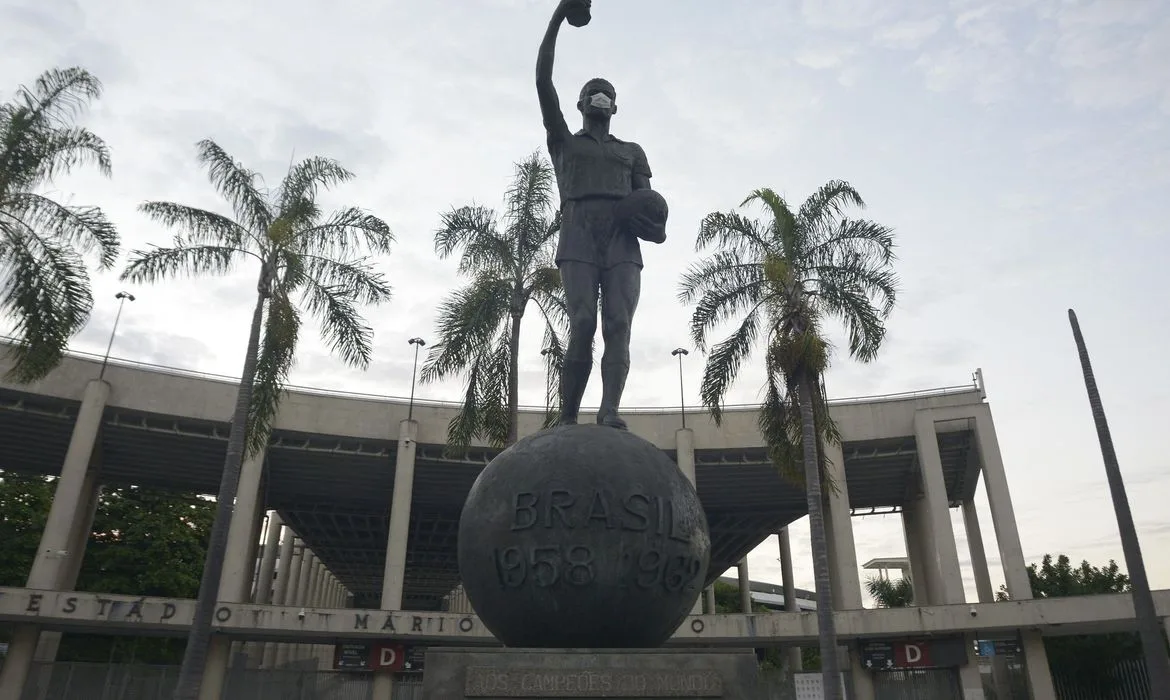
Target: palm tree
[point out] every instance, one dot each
(510, 263)
(43, 243)
(1153, 647)
(891, 593)
(302, 255)
(785, 276)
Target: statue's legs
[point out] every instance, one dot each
(581, 282)
(621, 285)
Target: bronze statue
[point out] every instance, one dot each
(606, 207)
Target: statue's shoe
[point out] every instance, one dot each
(611, 419)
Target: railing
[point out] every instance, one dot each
(438, 403)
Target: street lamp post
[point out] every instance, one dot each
(121, 297)
(547, 383)
(417, 343)
(682, 405)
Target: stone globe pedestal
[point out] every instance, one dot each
(583, 536)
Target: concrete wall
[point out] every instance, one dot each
(205, 399)
(98, 612)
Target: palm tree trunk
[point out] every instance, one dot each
(514, 381)
(1157, 662)
(199, 637)
(830, 668)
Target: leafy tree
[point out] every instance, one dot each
(891, 593)
(43, 243)
(302, 254)
(1088, 661)
(144, 542)
(510, 262)
(784, 277)
(24, 508)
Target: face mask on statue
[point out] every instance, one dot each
(601, 100)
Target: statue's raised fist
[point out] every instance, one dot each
(576, 11)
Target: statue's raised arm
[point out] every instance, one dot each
(577, 12)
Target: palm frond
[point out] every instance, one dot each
(529, 203)
(468, 319)
(183, 260)
(85, 229)
(493, 397)
(238, 185)
(357, 278)
(740, 289)
(723, 364)
(51, 153)
(850, 239)
(475, 230)
(862, 323)
(298, 191)
(828, 203)
(59, 94)
(198, 225)
(344, 233)
(779, 423)
(45, 289)
(465, 425)
(732, 232)
(278, 348)
(342, 326)
(784, 233)
(717, 271)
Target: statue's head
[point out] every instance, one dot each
(598, 100)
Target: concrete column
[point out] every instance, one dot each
(91, 490)
(239, 567)
(839, 532)
(709, 599)
(285, 650)
(240, 555)
(308, 565)
(399, 526)
(308, 561)
(684, 445)
(937, 510)
(52, 557)
(923, 569)
(787, 575)
(843, 570)
(263, 591)
(1011, 552)
(745, 586)
(280, 585)
(399, 530)
(978, 553)
(264, 580)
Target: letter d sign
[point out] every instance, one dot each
(387, 657)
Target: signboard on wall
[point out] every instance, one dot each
(388, 657)
(810, 686)
(351, 657)
(415, 659)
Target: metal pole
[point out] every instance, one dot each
(682, 405)
(547, 383)
(417, 343)
(121, 297)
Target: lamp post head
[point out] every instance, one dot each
(417, 341)
(679, 351)
(124, 295)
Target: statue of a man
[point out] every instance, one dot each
(598, 253)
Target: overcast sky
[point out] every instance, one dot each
(1018, 147)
